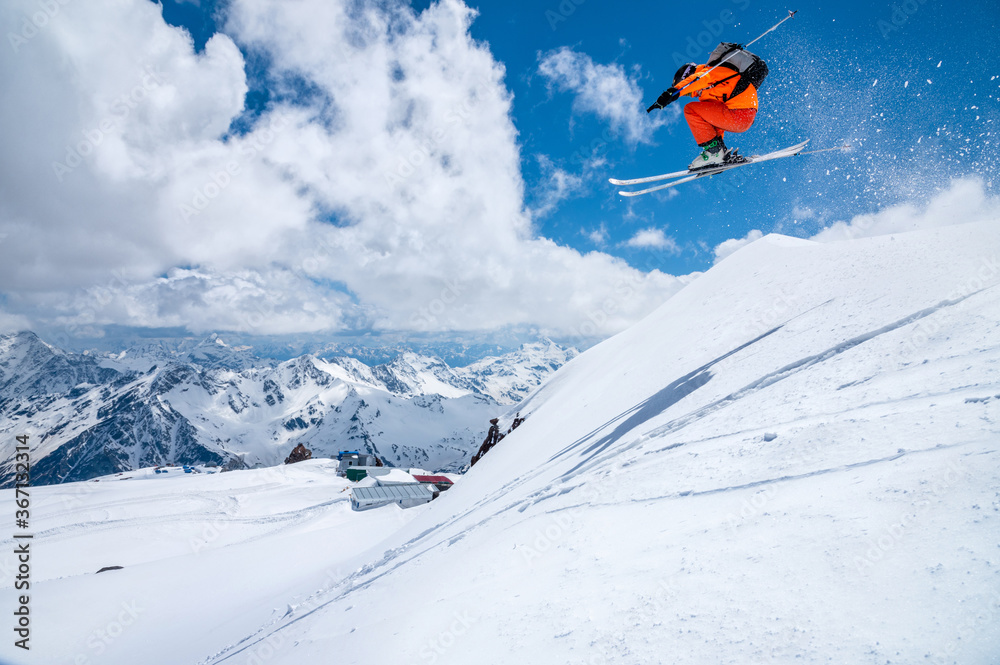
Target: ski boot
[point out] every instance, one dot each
(715, 153)
(712, 154)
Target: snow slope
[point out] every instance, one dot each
(795, 459)
(202, 558)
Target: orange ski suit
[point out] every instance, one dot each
(715, 113)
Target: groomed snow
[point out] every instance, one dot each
(794, 460)
(203, 556)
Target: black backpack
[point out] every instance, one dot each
(750, 68)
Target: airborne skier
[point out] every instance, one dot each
(726, 88)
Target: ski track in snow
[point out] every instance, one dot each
(691, 382)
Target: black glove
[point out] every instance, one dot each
(670, 96)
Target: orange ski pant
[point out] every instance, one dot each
(710, 119)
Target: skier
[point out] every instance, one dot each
(493, 437)
(726, 88)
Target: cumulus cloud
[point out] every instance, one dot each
(965, 200)
(265, 302)
(724, 249)
(383, 191)
(606, 91)
(653, 238)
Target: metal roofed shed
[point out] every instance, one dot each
(406, 495)
(440, 482)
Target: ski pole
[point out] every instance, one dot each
(771, 29)
(775, 26)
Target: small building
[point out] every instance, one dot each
(441, 483)
(383, 474)
(356, 473)
(349, 458)
(406, 495)
(391, 476)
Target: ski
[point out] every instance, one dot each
(688, 176)
(652, 178)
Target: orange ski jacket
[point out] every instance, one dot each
(716, 87)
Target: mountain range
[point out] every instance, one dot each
(89, 415)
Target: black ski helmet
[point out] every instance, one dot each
(685, 71)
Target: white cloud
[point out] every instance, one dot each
(724, 249)
(391, 199)
(265, 302)
(557, 185)
(598, 236)
(605, 91)
(653, 238)
(965, 200)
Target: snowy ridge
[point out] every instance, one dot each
(794, 460)
(218, 404)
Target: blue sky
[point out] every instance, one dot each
(823, 65)
(915, 91)
(323, 168)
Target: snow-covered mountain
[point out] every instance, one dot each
(219, 404)
(796, 459)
